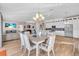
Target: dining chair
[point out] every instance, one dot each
(49, 46)
(22, 40)
(21, 33)
(27, 43)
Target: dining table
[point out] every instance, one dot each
(37, 41)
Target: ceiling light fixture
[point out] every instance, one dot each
(38, 17)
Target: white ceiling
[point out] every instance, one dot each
(26, 11)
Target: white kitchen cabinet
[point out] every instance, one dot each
(11, 36)
(59, 33)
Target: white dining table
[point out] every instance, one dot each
(37, 41)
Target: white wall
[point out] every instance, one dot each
(0, 33)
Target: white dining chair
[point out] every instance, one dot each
(49, 46)
(21, 33)
(27, 44)
(21, 39)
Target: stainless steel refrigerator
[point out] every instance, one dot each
(69, 30)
